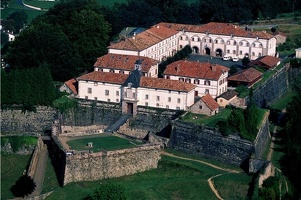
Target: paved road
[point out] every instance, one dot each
(214, 60)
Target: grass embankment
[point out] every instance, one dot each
(207, 120)
(18, 142)
(173, 179)
(282, 103)
(102, 142)
(12, 168)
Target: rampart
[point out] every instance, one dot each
(85, 166)
(208, 142)
(14, 121)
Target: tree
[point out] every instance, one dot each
(245, 61)
(4, 38)
(23, 186)
(19, 19)
(233, 70)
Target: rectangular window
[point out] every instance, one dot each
(95, 98)
(179, 100)
(86, 97)
(240, 52)
(146, 104)
(167, 106)
(89, 90)
(117, 93)
(169, 99)
(146, 96)
(117, 100)
(107, 92)
(158, 98)
(95, 83)
(207, 91)
(228, 51)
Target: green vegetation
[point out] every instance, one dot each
(173, 179)
(108, 191)
(102, 142)
(207, 120)
(64, 103)
(27, 87)
(237, 183)
(18, 142)
(50, 180)
(282, 103)
(12, 167)
(44, 5)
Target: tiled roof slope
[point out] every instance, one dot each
(166, 84)
(269, 61)
(210, 102)
(105, 77)
(218, 29)
(247, 75)
(146, 82)
(72, 85)
(202, 70)
(145, 39)
(124, 62)
(228, 94)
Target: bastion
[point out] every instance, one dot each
(90, 166)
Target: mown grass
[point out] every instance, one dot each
(237, 182)
(173, 179)
(102, 142)
(41, 4)
(50, 179)
(207, 120)
(12, 168)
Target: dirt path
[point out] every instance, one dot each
(40, 171)
(210, 182)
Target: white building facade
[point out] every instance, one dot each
(219, 39)
(157, 43)
(209, 78)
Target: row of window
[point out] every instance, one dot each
(221, 41)
(195, 81)
(158, 105)
(241, 53)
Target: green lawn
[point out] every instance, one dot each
(173, 179)
(41, 4)
(50, 180)
(207, 120)
(12, 167)
(102, 142)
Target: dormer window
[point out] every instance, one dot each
(130, 85)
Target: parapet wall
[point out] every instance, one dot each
(208, 142)
(35, 157)
(107, 164)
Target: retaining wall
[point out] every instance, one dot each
(35, 158)
(208, 142)
(108, 164)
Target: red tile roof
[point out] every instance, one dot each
(247, 75)
(144, 39)
(146, 82)
(72, 85)
(166, 84)
(269, 61)
(105, 77)
(202, 70)
(210, 102)
(124, 62)
(218, 29)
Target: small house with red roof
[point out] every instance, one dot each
(206, 105)
(209, 78)
(124, 64)
(267, 62)
(70, 87)
(226, 98)
(247, 77)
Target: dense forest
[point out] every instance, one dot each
(71, 35)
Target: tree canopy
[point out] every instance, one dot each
(68, 39)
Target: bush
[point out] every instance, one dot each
(108, 191)
(64, 104)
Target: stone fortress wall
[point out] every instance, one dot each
(208, 142)
(108, 164)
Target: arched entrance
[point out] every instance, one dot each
(207, 51)
(195, 49)
(219, 52)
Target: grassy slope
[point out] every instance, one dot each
(12, 167)
(173, 179)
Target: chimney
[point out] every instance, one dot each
(134, 35)
(213, 68)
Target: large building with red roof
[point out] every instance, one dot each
(219, 39)
(209, 78)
